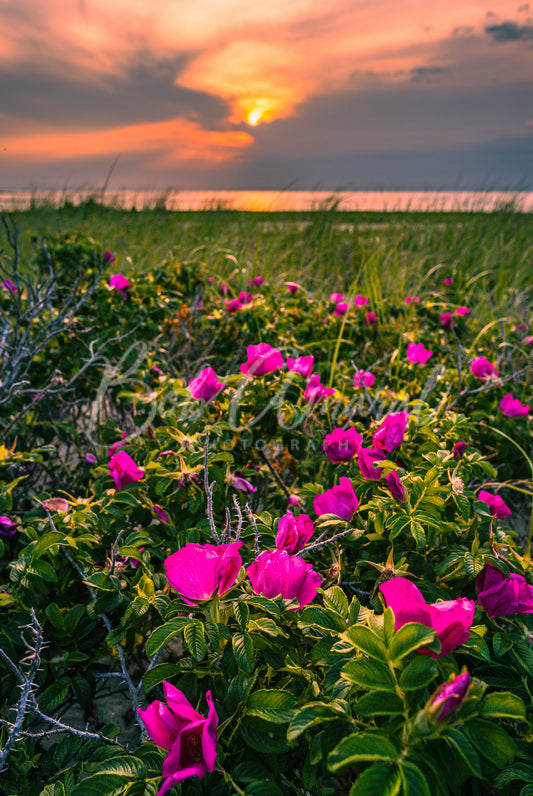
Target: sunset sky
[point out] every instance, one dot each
(305, 94)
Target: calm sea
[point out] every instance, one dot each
(271, 201)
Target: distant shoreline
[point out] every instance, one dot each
(274, 201)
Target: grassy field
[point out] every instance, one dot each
(393, 254)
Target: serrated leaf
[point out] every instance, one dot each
(503, 704)
(418, 533)
(98, 785)
(458, 741)
(52, 697)
(45, 543)
(162, 635)
(418, 673)
(517, 770)
(369, 674)
(336, 599)
(194, 638)
(491, 741)
(408, 638)
(379, 704)
(260, 788)
(269, 606)
(309, 716)
(381, 778)
(156, 675)
(266, 626)
(241, 613)
(125, 765)
(55, 616)
(358, 748)
(413, 780)
(274, 706)
(367, 641)
(239, 690)
(353, 611)
(243, 651)
(316, 617)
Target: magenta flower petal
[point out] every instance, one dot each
(197, 571)
(294, 532)
(502, 596)
(275, 573)
(340, 500)
(262, 359)
(496, 505)
(342, 444)
(391, 431)
(206, 385)
(123, 470)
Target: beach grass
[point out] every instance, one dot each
(383, 254)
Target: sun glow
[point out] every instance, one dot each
(258, 110)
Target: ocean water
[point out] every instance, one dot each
(272, 201)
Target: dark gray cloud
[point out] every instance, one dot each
(502, 164)
(510, 31)
(427, 72)
(144, 91)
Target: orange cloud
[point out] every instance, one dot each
(172, 141)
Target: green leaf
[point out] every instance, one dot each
(491, 741)
(45, 543)
(52, 697)
(413, 780)
(156, 675)
(381, 779)
(102, 581)
(359, 748)
(55, 616)
(418, 673)
(98, 785)
(241, 613)
(194, 637)
(367, 641)
(261, 788)
(409, 638)
(316, 617)
(353, 611)
(369, 674)
(269, 606)
(458, 741)
(504, 705)
(336, 599)
(388, 625)
(125, 765)
(523, 655)
(162, 635)
(418, 534)
(266, 626)
(274, 706)
(379, 704)
(239, 690)
(517, 770)
(310, 715)
(243, 651)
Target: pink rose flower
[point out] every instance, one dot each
(340, 500)
(391, 431)
(448, 698)
(366, 459)
(451, 619)
(342, 444)
(446, 320)
(90, 458)
(191, 739)
(120, 283)
(292, 287)
(512, 407)
(206, 385)
(245, 298)
(199, 571)
(499, 595)
(411, 299)
(124, 470)
(257, 281)
(108, 257)
(224, 288)
(315, 391)
(497, 507)
(8, 286)
(8, 527)
(448, 281)
(482, 369)
(302, 365)
(294, 532)
(462, 311)
(294, 500)
(243, 485)
(363, 377)
(275, 573)
(119, 444)
(459, 449)
(396, 488)
(336, 297)
(360, 301)
(233, 305)
(341, 309)
(162, 514)
(371, 318)
(262, 359)
(417, 354)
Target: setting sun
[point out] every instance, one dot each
(255, 116)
